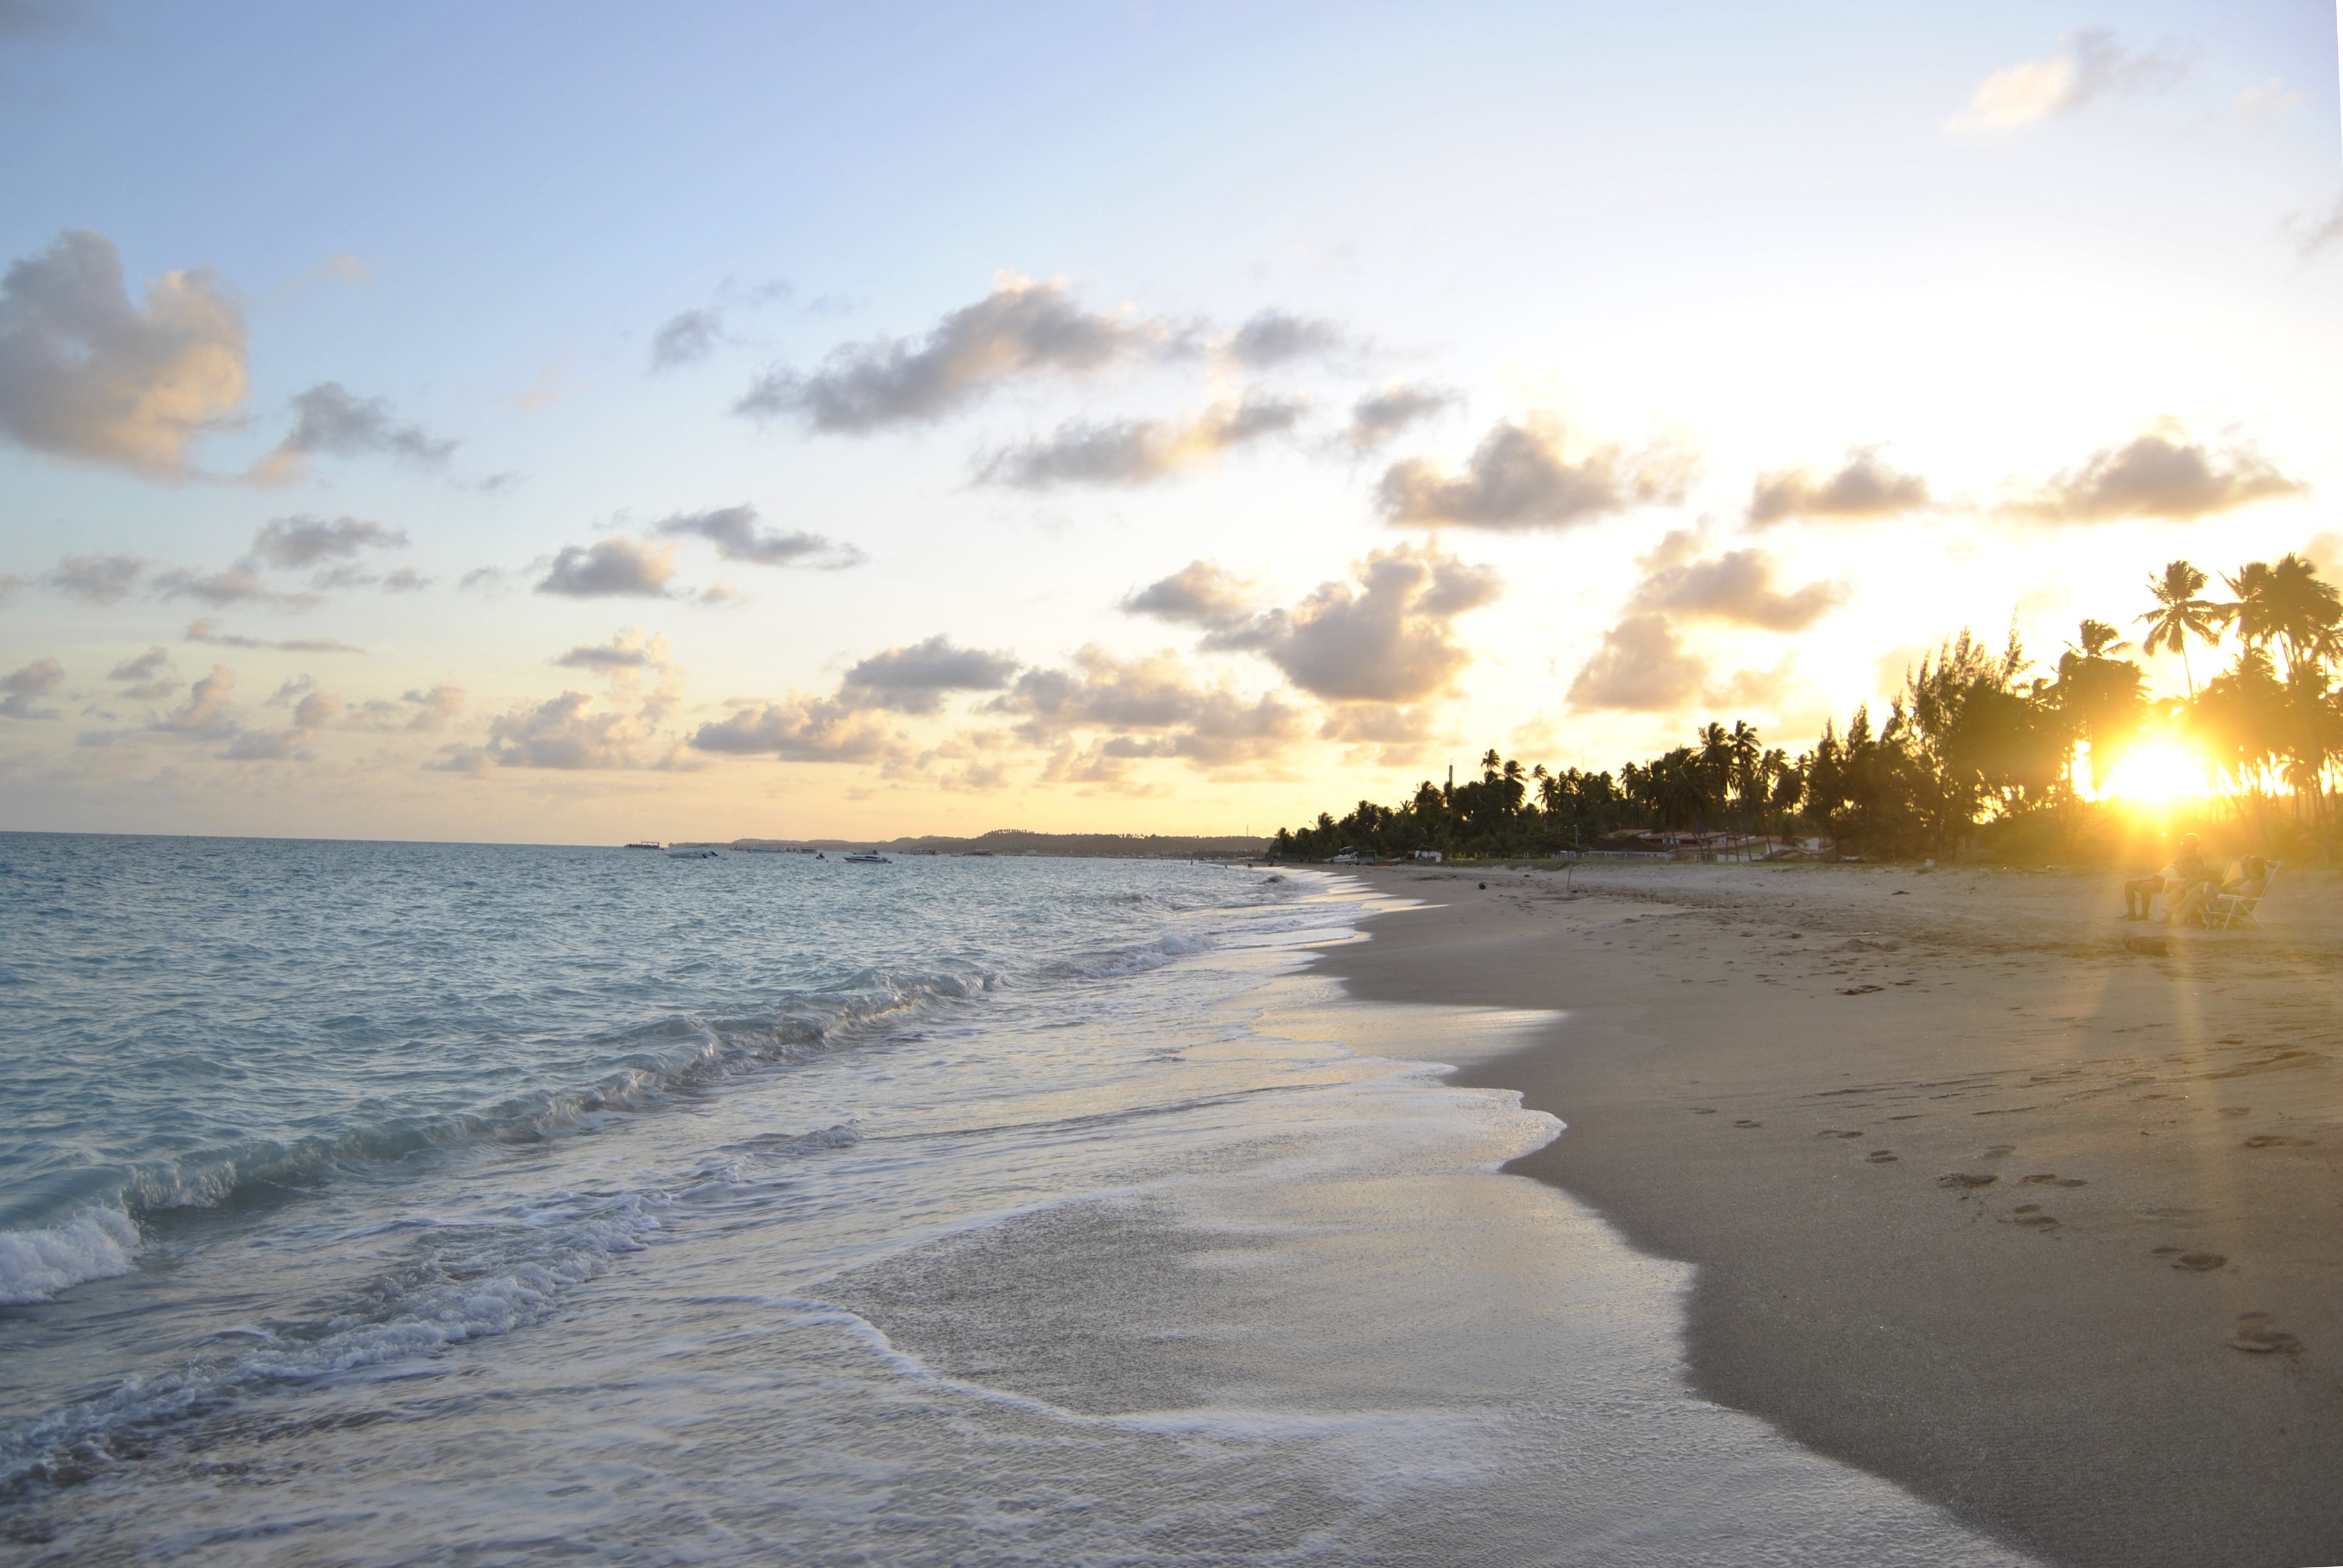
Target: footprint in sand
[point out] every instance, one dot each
(2275, 1140)
(1703, 1110)
(2236, 1111)
(1859, 990)
(2259, 1335)
(2199, 1262)
(1997, 1150)
(2032, 1215)
(1963, 1180)
(1744, 1123)
(1881, 1156)
(1835, 1132)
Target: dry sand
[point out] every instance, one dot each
(1985, 1200)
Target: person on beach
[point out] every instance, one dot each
(2173, 883)
(2244, 879)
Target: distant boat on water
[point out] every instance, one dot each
(869, 860)
(645, 844)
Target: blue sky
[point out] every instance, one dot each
(1987, 251)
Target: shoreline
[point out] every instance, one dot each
(1828, 1087)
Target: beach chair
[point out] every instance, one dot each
(2230, 912)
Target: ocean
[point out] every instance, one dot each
(379, 1204)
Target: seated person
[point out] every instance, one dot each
(2187, 869)
(2244, 879)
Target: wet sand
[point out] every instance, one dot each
(2036, 1213)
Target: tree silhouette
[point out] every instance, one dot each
(2180, 614)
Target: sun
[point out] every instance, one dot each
(2158, 770)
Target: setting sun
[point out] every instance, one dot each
(2158, 770)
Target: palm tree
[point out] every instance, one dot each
(2303, 612)
(2179, 615)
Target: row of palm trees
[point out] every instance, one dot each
(1975, 746)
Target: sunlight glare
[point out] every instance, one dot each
(2157, 771)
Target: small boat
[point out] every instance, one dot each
(869, 860)
(693, 855)
(644, 844)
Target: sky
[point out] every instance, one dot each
(580, 422)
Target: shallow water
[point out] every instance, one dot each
(378, 1204)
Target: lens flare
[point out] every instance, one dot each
(2157, 771)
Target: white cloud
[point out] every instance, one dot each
(735, 533)
(1385, 635)
(20, 687)
(1199, 594)
(1735, 586)
(296, 542)
(2094, 64)
(97, 579)
(2161, 474)
(1518, 479)
(1643, 667)
(1022, 329)
(1865, 487)
(1138, 451)
(87, 376)
(916, 680)
(801, 729)
(616, 567)
(330, 419)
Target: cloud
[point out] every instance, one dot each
(1381, 417)
(1150, 706)
(1138, 451)
(1737, 586)
(2161, 474)
(801, 729)
(2309, 236)
(1865, 487)
(734, 532)
(566, 733)
(11, 584)
(208, 631)
(432, 706)
(1387, 735)
(1277, 337)
(340, 267)
(1386, 636)
(1198, 594)
(97, 579)
(628, 649)
(18, 688)
(296, 542)
(1518, 479)
(206, 713)
(329, 419)
(236, 585)
(417, 712)
(1021, 329)
(1643, 667)
(2094, 64)
(266, 746)
(686, 336)
(2264, 100)
(88, 377)
(150, 675)
(915, 679)
(616, 567)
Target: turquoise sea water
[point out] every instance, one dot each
(385, 1204)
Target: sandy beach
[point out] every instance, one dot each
(2035, 1212)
